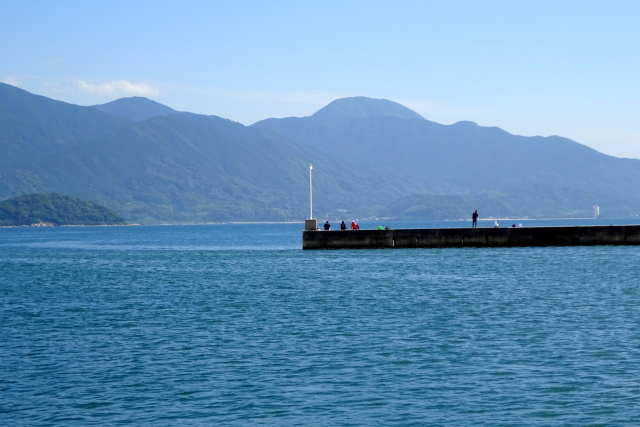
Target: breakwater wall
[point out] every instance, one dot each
(472, 237)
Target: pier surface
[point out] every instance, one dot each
(472, 237)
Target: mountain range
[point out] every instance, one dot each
(371, 158)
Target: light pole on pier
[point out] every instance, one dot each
(310, 224)
(310, 193)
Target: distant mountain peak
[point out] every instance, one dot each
(363, 107)
(466, 123)
(136, 108)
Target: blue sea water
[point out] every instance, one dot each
(234, 324)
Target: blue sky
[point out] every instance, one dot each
(568, 68)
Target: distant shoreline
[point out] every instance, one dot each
(66, 225)
(296, 222)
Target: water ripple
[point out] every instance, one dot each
(523, 336)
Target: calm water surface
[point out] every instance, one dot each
(236, 325)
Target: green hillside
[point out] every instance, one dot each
(55, 209)
(194, 168)
(31, 126)
(464, 163)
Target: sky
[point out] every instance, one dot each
(531, 67)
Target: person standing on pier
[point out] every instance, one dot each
(327, 226)
(474, 219)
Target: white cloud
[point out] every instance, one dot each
(118, 87)
(10, 80)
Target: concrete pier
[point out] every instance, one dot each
(472, 237)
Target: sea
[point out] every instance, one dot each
(236, 325)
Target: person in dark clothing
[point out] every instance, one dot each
(474, 219)
(343, 226)
(327, 226)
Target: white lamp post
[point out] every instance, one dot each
(310, 193)
(310, 224)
